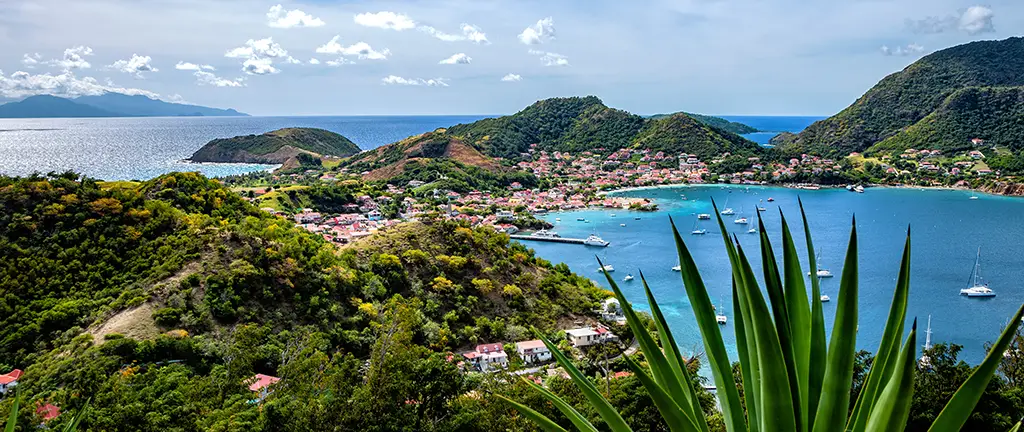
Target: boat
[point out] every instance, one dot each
(586, 221)
(581, 219)
(752, 230)
(858, 189)
(976, 286)
(606, 268)
(925, 361)
(703, 216)
(697, 230)
(613, 214)
(546, 234)
(558, 219)
(728, 210)
(720, 317)
(628, 278)
(742, 220)
(677, 268)
(761, 209)
(622, 225)
(636, 218)
(821, 272)
(974, 195)
(825, 298)
(770, 199)
(594, 240)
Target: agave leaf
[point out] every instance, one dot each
(663, 373)
(799, 320)
(834, 405)
(776, 409)
(675, 360)
(893, 407)
(603, 407)
(577, 419)
(817, 364)
(958, 409)
(747, 360)
(780, 311)
(885, 362)
(714, 346)
(12, 418)
(73, 426)
(674, 416)
(1015, 427)
(539, 419)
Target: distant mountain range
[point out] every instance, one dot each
(942, 101)
(106, 105)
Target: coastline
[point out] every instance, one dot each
(982, 191)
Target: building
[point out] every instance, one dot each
(48, 412)
(533, 351)
(260, 384)
(9, 380)
(505, 215)
(587, 336)
(487, 357)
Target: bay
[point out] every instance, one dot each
(948, 228)
(143, 148)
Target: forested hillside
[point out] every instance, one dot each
(907, 97)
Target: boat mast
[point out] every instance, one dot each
(977, 267)
(928, 335)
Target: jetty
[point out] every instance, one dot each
(549, 239)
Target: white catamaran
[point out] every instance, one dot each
(976, 287)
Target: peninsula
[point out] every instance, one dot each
(282, 146)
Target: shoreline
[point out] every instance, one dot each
(613, 192)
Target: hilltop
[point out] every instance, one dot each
(929, 100)
(574, 124)
(105, 105)
(718, 122)
(282, 146)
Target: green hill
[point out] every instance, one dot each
(680, 133)
(905, 98)
(277, 147)
(718, 122)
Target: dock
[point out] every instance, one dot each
(549, 239)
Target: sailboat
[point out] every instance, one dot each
(925, 361)
(974, 195)
(822, 272)
(697, 230)
(976, 287)
(728, 210)
(742, 220)
(720, 316)
(628, 278)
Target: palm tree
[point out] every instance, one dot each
(793, 381)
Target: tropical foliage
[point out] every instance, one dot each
(718, 122)
(791, 380)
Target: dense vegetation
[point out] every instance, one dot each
(680, 133)
(266, 148)
(718, 122)
(907, 97)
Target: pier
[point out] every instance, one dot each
(549, 239)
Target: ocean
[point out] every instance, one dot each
(143, 148)
(948, 229)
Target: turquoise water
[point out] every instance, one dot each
(948, 228)
(772, 125)
(143, 148)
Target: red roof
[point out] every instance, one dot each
(48, 411)
(489, 348)
(260, 381)
(618, 375)
(10, 377)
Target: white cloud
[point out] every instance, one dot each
(192, 66)
(259, 66)
(135, 66)
(314, 61)
(277, 17)
(538, 33)
(977, 19)
(550, 58)
(74, 58)
(260, 55)
(908, 50)
(397, 80)
(385, 20)
(209, 78)
(460, 58)
(30, 61)
(339, 61)
(511, 78)
(973, 20)
(474, 34)
(447, 37)
(362, 50)
(22, 84)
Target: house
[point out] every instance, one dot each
(505, 215)
(974, 154)
(533, 351)
(47, 411)
(582, 337)
(487, 357)
(260, 384)
(612, 311)
(9, 380)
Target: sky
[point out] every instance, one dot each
(320, 57)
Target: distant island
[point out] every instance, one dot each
(718, 122)
(290, 147)
(106, 105)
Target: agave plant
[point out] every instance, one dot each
(793, 381)
(12, 417)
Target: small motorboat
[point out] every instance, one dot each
(825, 298)
(677, 268)
(770, 199)
(579, 219)
(628, 278)
(722, 319)
(558, 219)
(636, 218)
(622, 225)
(607, 268)
(703, 216)
(761, 209)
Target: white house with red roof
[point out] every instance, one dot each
(9, 380)
(261, 384)
(487, 357)
(533, 351)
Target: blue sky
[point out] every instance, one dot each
(754, 57)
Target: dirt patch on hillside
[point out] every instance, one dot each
(462, 152)
(136, 323)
